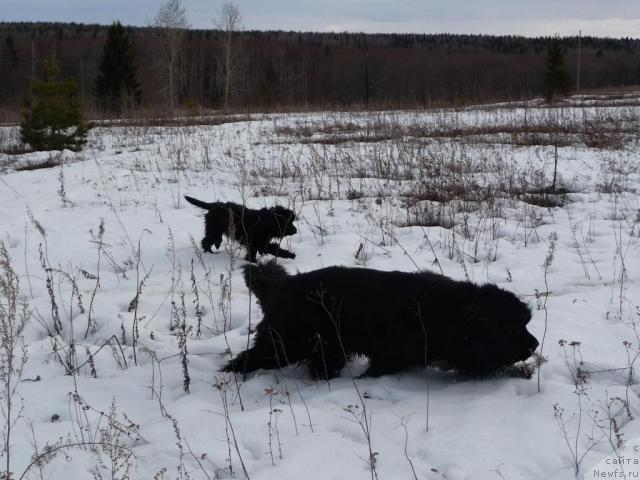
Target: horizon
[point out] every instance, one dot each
(327, 32)
(615, 19)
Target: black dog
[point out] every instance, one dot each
(252, 228)
(396, 319)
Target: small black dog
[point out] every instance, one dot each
(252, 228)
(396, 319)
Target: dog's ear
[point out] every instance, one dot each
(291, 214)
(501, 306)
(284, 212)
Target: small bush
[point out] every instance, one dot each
(52, 119)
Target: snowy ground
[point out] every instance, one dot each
(451, 191)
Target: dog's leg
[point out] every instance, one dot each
(209, 240)
(252, 360)
(275, 250)
(206, 244)
(268, 353)
(216, 237)
(325, 361)
(251, 254)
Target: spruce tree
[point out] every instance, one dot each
(52, 119)
(557, 81)
(117, 87)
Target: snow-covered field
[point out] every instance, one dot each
(129, 322)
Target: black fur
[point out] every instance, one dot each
(252, 228)
(396, 319)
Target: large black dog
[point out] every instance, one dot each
(252, 228)
(396, 319)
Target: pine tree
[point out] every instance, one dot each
(117, 87)
(557, 81)
(8, 65)
(52, 119)
(269, 87)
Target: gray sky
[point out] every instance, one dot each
(614, 18)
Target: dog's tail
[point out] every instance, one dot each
(197, 203)
(261, 278)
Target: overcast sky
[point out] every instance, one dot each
(614, 18)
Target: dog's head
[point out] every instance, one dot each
(262, 278)
(496, 332)
(284, 219)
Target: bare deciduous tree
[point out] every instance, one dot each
(171, 22)
(228, 21)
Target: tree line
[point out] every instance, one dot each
(178, 67)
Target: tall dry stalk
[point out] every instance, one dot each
(14, 314)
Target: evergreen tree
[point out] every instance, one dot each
(557, 81)
(52, 119)
(9, 50)
(269, 91)
(8, 64)
(117, 86)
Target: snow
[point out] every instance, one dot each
(287, 426)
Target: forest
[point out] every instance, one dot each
(278, 70)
